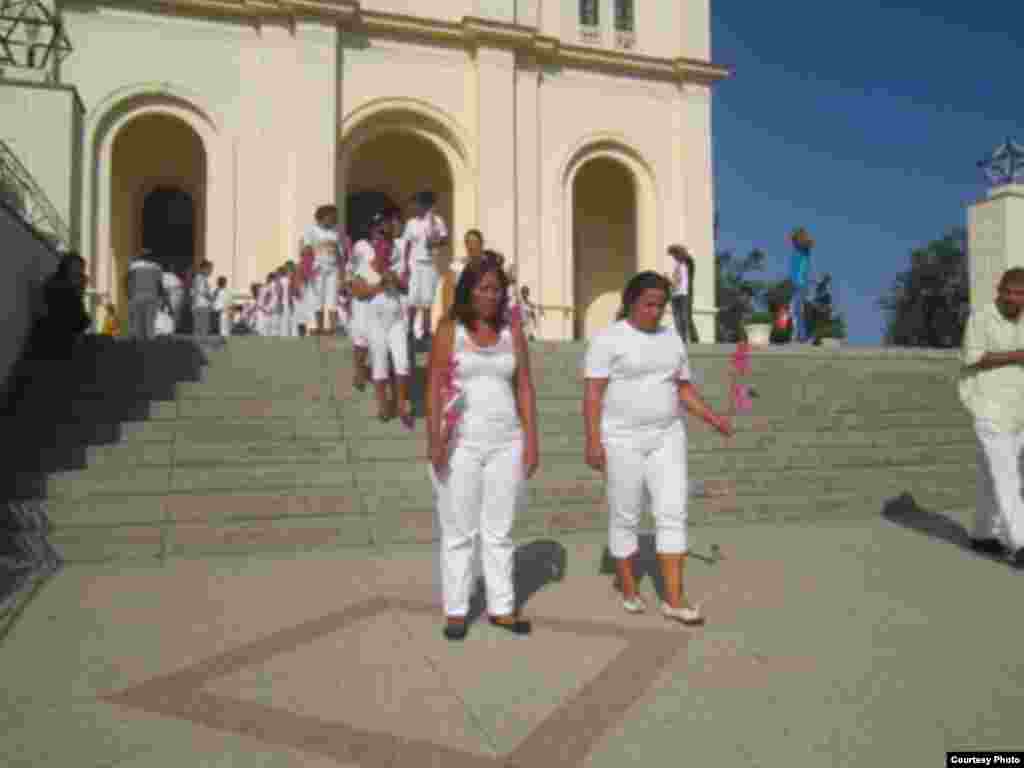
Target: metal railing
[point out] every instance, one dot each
(22, 193)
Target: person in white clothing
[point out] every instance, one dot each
(682, 298)
(221, 322)
(991, 387)
(320, 242)
(377, 285)
(482, 444)
(174, 290)
(426, 234)
(202, 301)
(265, 307)
(636, 381)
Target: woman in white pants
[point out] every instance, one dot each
(377, 285)
(637, 378)
(482, 444)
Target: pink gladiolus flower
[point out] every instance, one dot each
(741, 358)
(515, 316)
(741, 400)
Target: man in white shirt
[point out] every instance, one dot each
(145, 293)
(202, 301)
(992, 389)
(321, 243)
(426, 235)
(682, 299)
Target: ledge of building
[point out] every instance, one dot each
(471, 32)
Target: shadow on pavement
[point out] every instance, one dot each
(646, 563)
(537, 564)
(904, 510)
(55, 410)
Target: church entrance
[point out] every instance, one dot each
(169, 228)
(604, 240)
(158, 196)
(387, 170)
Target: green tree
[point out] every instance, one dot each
(736, 292)
(928, 303)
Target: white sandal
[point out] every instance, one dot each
(634, 604)
(684, 615)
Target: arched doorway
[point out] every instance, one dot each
(360, 208)
(169, 228)
(388, 169)
(604, 241)
(158, 195)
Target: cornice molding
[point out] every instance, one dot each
(472, 32)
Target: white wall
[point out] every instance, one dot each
(40, 125)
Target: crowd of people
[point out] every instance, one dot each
(480, 405)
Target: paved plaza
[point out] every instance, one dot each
(857, 643)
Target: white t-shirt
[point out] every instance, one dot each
(643, 372)
(417, 232)
(324, 243)
(361, 264)
(996, 394)
(681, 283)
(172, 282)
(220, 299)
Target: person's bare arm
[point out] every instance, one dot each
(593, 402)
(692, 401)
(437, 364)
(526, 398)
(998, 360)
(363, 290)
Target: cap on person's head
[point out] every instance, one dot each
(426, 198)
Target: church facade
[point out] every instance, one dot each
(576, 134)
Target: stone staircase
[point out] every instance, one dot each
(154, 451)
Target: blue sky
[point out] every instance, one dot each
(865, 127)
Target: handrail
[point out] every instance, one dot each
(35, 207)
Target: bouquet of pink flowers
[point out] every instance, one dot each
(454, 401)
(740, 393)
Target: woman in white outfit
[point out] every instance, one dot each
(637, 379)
(377, 285)
(482, 444)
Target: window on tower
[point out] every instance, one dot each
(624, 15)
(589, 13)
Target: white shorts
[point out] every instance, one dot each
(325, 288)
(357, 325)
(422, 284)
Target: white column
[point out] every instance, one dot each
(995, 240)
(495, 134)
(528, 182)
(699, 202)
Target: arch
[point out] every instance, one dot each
(381, 117)
(103, 125)
(615, 147)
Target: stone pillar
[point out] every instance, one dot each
(995, 240)
(698, 195)
(528, 255)
(495, 139)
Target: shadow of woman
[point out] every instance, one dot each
(537, 564)
(904, 510)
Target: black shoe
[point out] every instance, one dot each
(988, 546)
(517, 627)
(456, 630)
(1017, 559)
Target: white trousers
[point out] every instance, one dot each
(1000, 510)
(387, 332)
(652, 465)
(325, 288)
(423, 279)
(478, 498)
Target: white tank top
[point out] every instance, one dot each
(486, 378)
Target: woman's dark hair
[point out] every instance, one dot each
(462, 308)
(637, 285)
